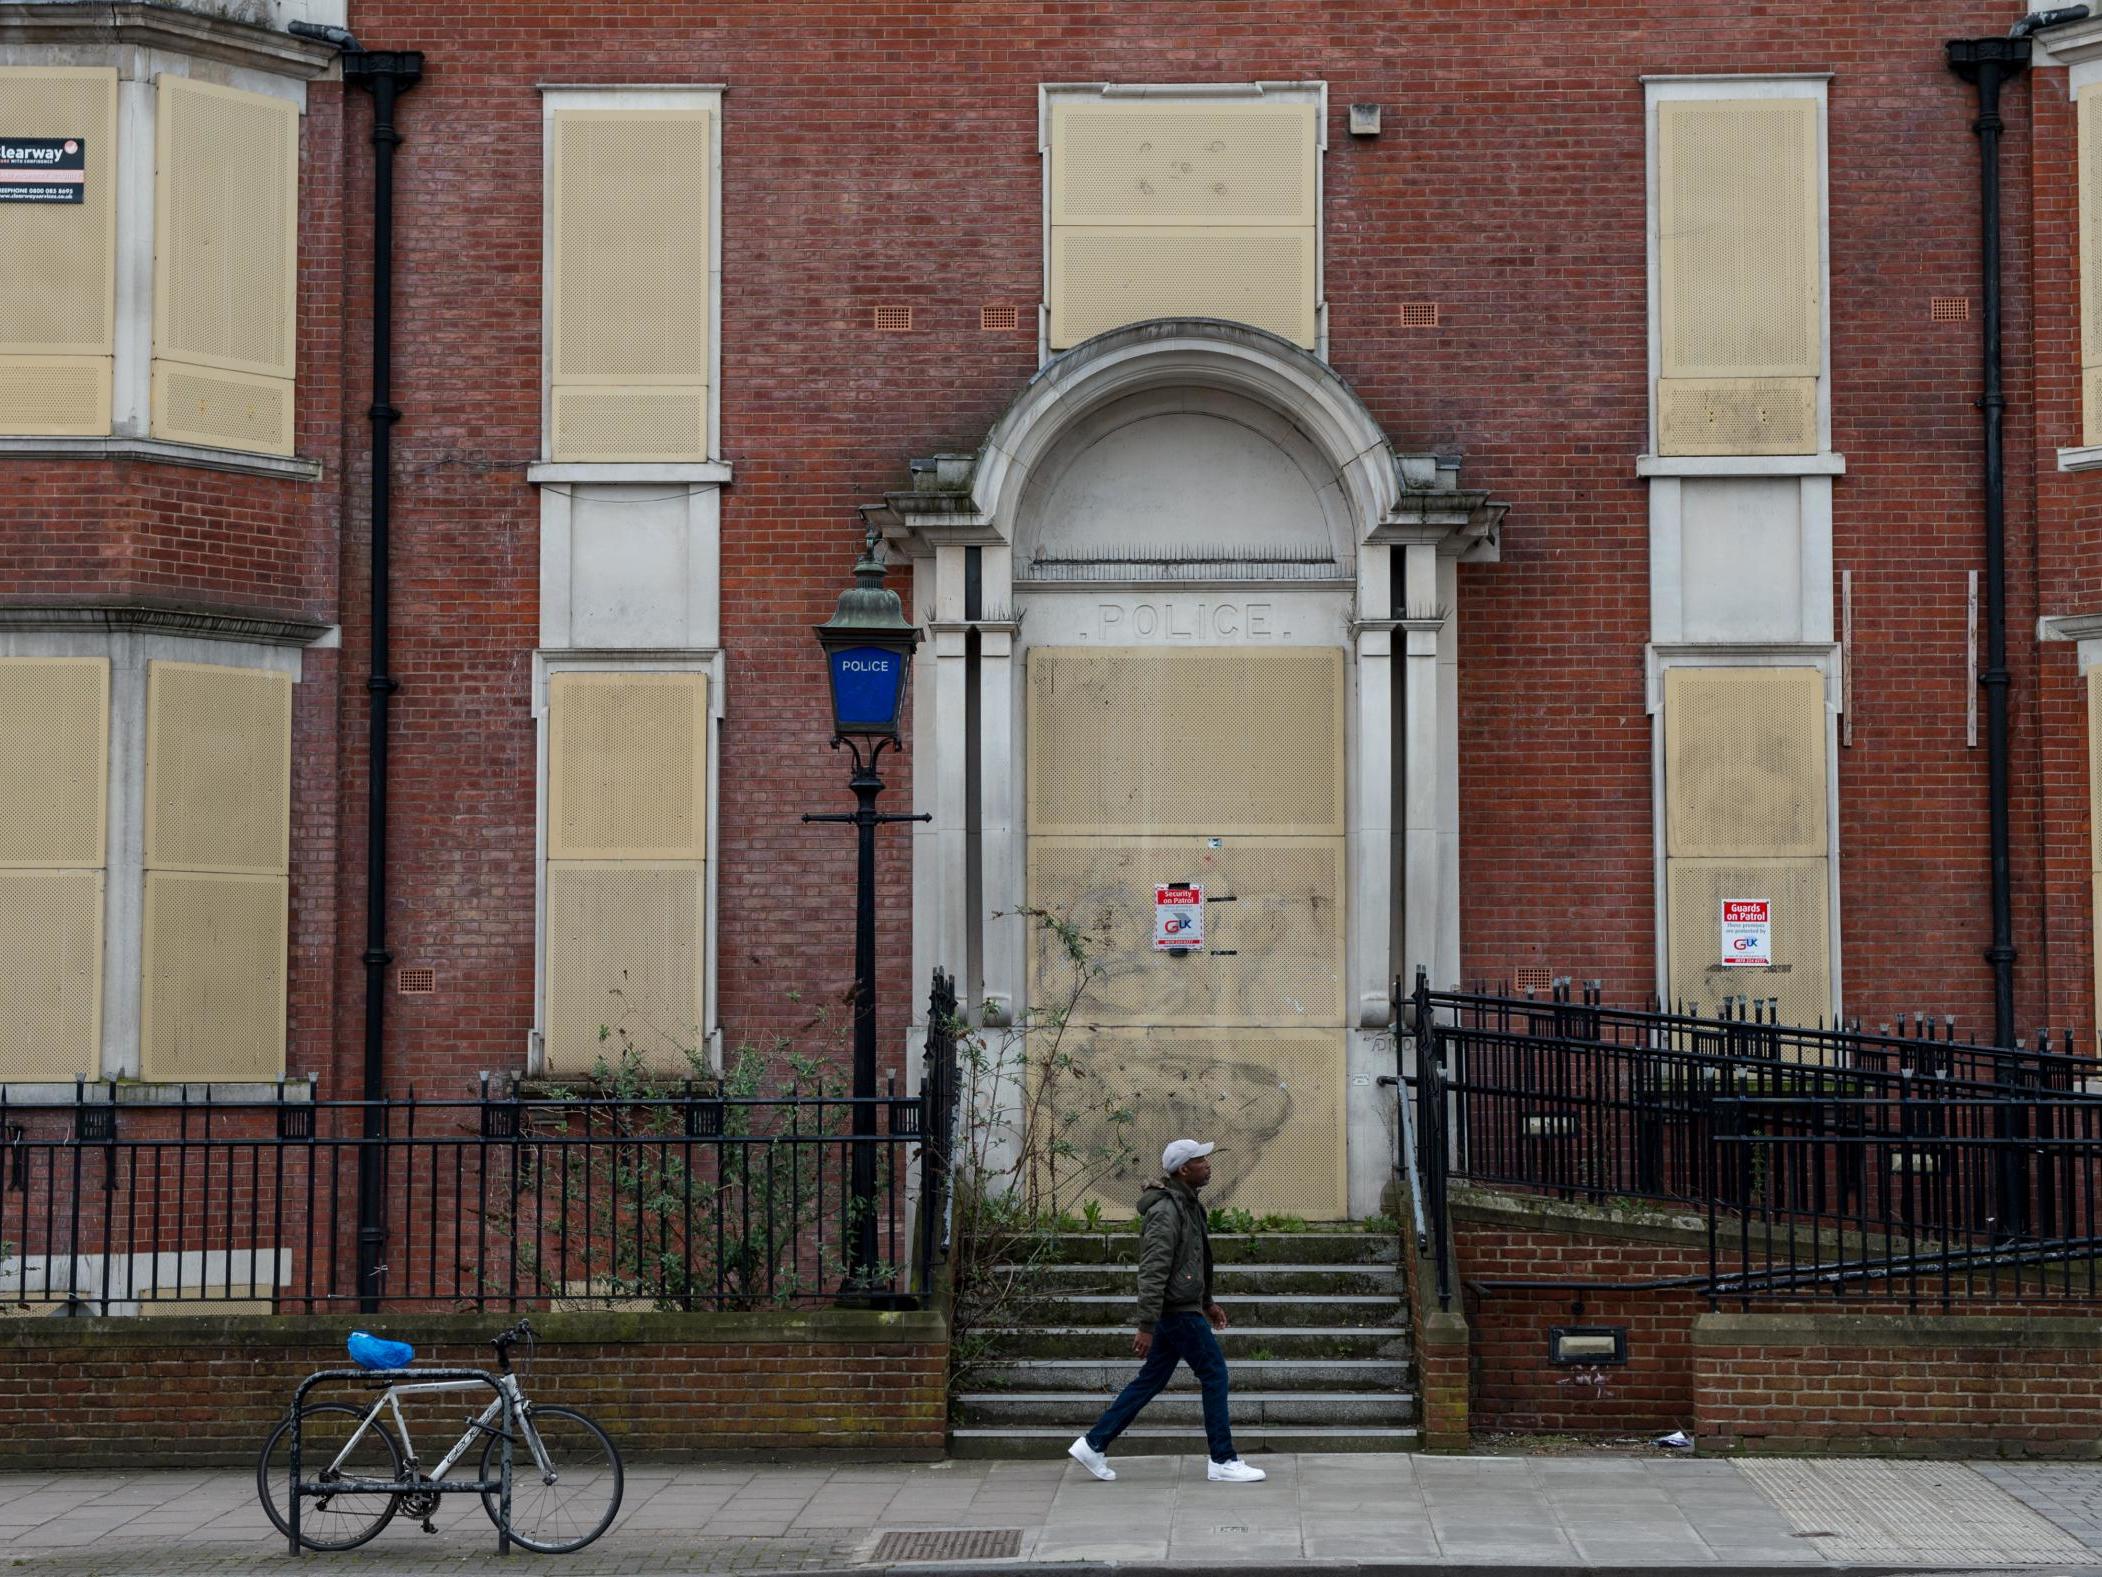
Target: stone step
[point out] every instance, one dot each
(1112, 1343)
(1344, 1245)
(1322, 1281)
(1265, 1308)
(1076, 1410)
(1144, 1439)
(1345, 1375)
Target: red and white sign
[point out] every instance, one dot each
(1178, 917)
(1747, 933)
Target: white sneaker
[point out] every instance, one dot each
(1094, 1461)
(1234, 1472)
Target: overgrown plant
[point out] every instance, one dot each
(655, 1182)
(1039, 1128)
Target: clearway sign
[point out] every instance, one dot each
(43, 170)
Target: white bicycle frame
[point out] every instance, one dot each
(509, 1393)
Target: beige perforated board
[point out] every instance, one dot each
(50, 973)
(54, 767)
(1272, 1102)
(594, 423)
(628, 267)
(1802, 974)
(627, 767)
(1744, 761)
(2090, 133)
(55, 396)
(1134, 740)
(58, 260)
(1103, 277)
(1731, 416)
(218, 768)
(1158, 163)
(1739, 258)
(222, 410)
(624, 956)
(2094, 815)
(213, 1006)
(1273, 949)
(226, 225)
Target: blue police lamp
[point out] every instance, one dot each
(868, 653)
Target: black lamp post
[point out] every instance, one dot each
(868, 654)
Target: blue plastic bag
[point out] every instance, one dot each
(376, 1352)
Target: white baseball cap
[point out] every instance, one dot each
(1180, 1153)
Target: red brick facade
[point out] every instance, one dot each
(891, 156)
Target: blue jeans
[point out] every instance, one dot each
(1178, 1338)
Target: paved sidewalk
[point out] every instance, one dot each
(1340, 1513)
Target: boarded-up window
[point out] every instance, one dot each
(1745, 794)
(226, 234)
(629, 289)
(627, 849)
(2094, 815)
(218, 836)
(54, 775)
(2091, 263)
(1740, 276)
(1183, 209)
(58, 259)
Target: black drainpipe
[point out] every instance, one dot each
(386, 75)
(1989, 62)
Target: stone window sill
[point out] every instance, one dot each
(163, 451)
(621, 471)
(1827, 464)
(2086, 457)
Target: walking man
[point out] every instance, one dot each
(1177, 1316)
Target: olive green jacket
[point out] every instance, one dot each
(1175, 1252)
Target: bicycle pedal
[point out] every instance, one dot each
(429, 1526)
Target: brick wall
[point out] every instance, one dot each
(132, 1391)
(1514, 1385)
(1956, 1385)
(1440, 1337)
(2013, 1377)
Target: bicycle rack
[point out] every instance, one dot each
(380, 1379)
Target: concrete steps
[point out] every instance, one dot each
(1143, 1439)
(1320, 1350)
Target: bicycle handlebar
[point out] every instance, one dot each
(522, 1331)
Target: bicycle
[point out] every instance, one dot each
(562, 1499)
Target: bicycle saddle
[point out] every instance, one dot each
(376, 1352)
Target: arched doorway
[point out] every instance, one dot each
(1191, 636)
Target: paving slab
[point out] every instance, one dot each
(1342, 1514)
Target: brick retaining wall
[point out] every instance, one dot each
(1956, 1385)
(131, 1391)
(2001, 1378)
(1517, 1238)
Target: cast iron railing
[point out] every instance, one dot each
(689, 1198)
(1903, 1165)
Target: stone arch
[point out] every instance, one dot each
(1326, 427)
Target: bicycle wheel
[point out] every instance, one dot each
(564, 1510)
(338, 1521)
